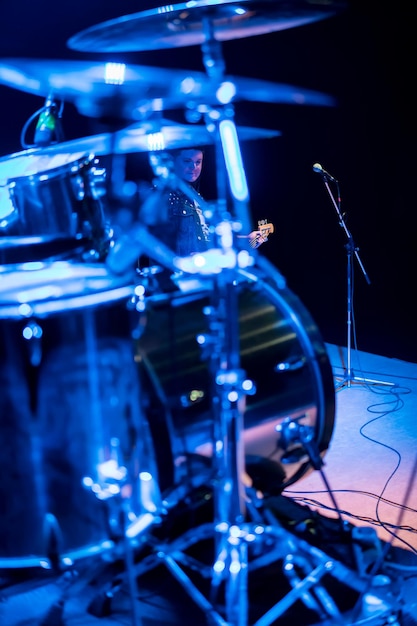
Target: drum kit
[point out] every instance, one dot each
(120, 401)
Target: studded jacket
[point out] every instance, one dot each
(184, 231)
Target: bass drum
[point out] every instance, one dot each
(280, 349)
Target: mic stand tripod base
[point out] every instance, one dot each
(349, 378)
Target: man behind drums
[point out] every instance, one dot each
(181, 224)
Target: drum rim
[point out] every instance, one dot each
(77, 285)
(29, 156)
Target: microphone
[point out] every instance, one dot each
(47, 123)
(318, 168)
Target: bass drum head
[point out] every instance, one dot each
(280, 350)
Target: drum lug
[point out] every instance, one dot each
(97, 180)
(136, 305)
(78, 187)
(32, 333)
(234, 381)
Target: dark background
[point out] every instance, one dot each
(365, 58)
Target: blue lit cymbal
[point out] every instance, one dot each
(132, 91)
(188, 23)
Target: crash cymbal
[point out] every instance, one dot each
(131, 91)
(186, 24)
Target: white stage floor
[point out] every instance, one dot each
(371, 461)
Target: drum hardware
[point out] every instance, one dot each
(351, 251)
(293, 431)
(113, 484)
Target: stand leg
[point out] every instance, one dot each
(349, 375)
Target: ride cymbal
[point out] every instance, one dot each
(132, 91)
(188, 23)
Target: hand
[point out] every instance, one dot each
(257, 238)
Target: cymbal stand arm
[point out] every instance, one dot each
(228, 403)
(212, 51)
(228, 156)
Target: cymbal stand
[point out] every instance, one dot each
(219, 121)
(351, 251)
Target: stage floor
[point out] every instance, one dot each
(370, 467)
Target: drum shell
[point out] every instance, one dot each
(70, 391)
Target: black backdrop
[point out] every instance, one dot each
(364, 57)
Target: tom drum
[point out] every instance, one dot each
(48, 199)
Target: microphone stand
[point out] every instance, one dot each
(351, 250)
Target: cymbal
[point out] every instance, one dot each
(148, 136)
(185, 24)
(165, 135)
(131, 91)
(153, 137)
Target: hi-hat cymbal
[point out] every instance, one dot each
(131, 91)
(166, 135)
(186, 24)
(151, 136)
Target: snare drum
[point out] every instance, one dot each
(70, 400)
(53, 197)
(280, 350)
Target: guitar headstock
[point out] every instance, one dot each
(265, 228)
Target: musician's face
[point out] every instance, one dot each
(188, 164)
